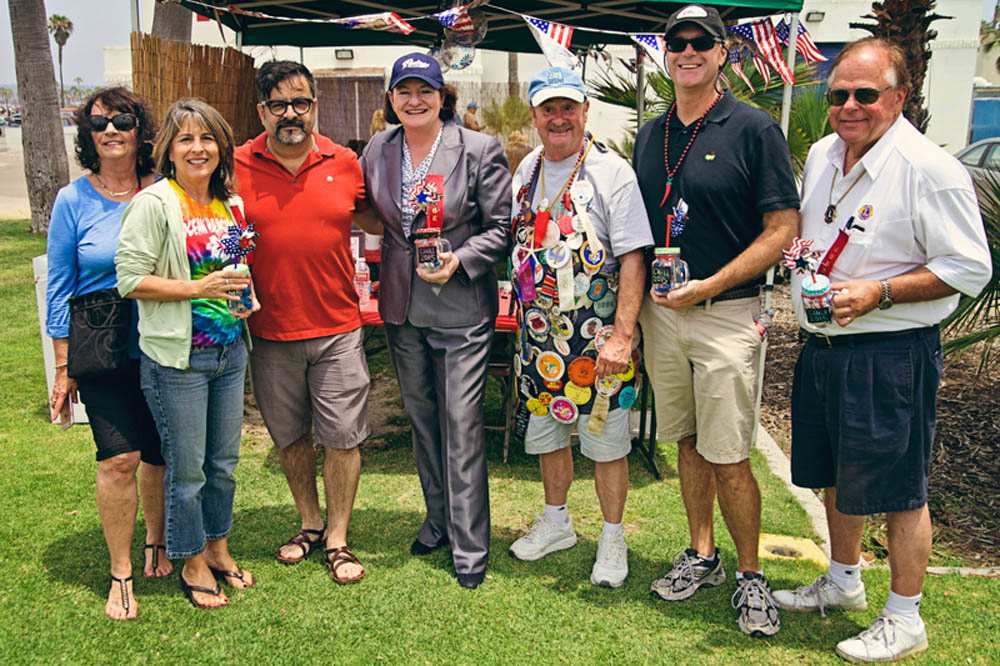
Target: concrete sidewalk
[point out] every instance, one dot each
(13, 187)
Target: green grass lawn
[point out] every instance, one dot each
(53, 563)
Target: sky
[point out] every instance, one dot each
(100, 23)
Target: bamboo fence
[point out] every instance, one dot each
(164, 71)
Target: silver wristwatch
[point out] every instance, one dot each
(885, 299)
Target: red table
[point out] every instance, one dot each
(505, 322)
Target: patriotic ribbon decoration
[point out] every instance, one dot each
(388, 21)
(800, 257)
(804, 43)
(554, 40)
(456, 18)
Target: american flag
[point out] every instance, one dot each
(389, 21)
(745, 33)
(654, 47)
(561, 34)
(767, 42)
(737, 64)
(804, 43)
(456, 18)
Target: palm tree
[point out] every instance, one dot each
(60, 28)
(46, 168)
(906, 22)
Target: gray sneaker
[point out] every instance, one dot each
(690, 572)
(758, 611)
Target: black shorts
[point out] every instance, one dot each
(119, 416)
(863, 417)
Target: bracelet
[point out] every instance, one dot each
(61, 365)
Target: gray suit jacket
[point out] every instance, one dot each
(476, 222)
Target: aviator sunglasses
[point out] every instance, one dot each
(864, 96)
(700, 43)
(300, 105)
(123, 122)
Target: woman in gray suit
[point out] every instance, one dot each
(443, 194)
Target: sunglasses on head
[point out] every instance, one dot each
(300, 105)
(700, 43)
(123, 122)
(865, 96)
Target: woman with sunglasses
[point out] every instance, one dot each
(113, 143)
(181, 241)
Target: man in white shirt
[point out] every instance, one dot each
(895, 220)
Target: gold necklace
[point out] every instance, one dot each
(831, 206)
(107, 189)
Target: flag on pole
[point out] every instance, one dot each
(456, 18)
(554, 40)
(804, 43)
(389, 21)
(767, 42)
(737, 64)
(655, 47)
(744, 32)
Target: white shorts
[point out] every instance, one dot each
(546, 435)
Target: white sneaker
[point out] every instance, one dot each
(543, 537)
(819, 595)
(889, 638)
(611, 566)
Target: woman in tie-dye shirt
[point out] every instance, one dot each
(181, 238)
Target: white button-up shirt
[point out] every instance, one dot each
(909, 204)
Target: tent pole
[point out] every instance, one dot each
(640, 87)
(786, 100)
(136, 22)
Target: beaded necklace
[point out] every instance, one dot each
(666, 146)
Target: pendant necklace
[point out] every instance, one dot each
(831, 208)
(666, 146)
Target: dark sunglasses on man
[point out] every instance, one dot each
(700, 43)
(863, 96)
(123, 122)
(300, 105)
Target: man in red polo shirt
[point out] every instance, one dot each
(310, 377)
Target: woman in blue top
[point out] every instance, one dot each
(113, 143)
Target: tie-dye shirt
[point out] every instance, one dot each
(206, 225)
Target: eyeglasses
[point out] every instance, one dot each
(300, 105)
(700, 43)
(123, 122)
(865, 96)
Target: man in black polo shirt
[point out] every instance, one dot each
(725, 195)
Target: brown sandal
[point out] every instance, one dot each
(305, 544)
(336, 558)
(222, 574)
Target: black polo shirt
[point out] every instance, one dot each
(737, 169)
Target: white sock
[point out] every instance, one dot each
(613, 530)
(556, 514)
(846, 576)
(906, 607)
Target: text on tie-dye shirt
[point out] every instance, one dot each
(205, 226)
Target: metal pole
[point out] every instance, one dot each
(640, 87)
(786, 99)
(134, 11)
(239, 40)
(302, 56)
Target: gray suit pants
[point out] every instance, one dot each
(442, 377)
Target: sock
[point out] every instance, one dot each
(846, 576)
(613, 529)
(906, 607)
(740, 575)
(556, 514)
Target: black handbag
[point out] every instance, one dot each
(99, 328)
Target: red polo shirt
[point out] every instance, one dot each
(303, 271)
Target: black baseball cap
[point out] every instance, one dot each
(417, 66)
(706, 18)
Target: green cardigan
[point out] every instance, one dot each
(153, 242)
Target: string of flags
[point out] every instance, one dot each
(759, 41)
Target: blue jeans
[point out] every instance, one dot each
(199, 415)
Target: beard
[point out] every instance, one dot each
(285, 133)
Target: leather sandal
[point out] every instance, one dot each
(123, 590)
(305, 543)
(189, 591)
(224, 575)
(155, 561)
(336, 558)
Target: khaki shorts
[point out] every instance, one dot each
(702, 366)
(546, 435)
(318, 385)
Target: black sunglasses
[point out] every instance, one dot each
(300, 105)
(865, 96)
(123, 122)
(700, 43)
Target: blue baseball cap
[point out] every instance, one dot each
(417, 66)
(556, 82)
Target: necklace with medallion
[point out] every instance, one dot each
(831, 206)
(672, 171)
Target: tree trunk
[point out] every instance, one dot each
(46, 168)
(171, 21)
(513, 86)
(62, 88)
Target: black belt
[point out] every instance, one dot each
(731, 295)
(852, 339)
